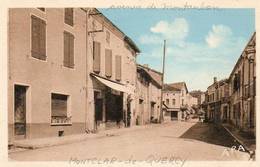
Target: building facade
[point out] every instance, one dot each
(243, 89)
(232, 100)
(68, 73)
(148, 95)
(47, 69)
(111, 90)
(177, 101)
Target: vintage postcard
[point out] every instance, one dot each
(128, 84)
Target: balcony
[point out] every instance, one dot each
(61, 120)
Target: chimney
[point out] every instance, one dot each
(215, 79)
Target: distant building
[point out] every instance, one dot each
(177, 101)
(217, 101)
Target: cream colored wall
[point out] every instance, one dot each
(118, 47)
(155, 96)
(45, 77)
(172, 95)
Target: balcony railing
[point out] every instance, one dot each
(61, 120)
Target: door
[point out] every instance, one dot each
(20, 111)
(98, 108)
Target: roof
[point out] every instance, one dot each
(154, 75)
(196, 93)
(179, 85)
(127, 39)
(167, 87)
(220, 82)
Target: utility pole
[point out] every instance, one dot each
(161, 104)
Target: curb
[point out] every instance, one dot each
(83, 137)
(251, 153)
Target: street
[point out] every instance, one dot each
(190, 140)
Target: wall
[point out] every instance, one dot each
(45, 77)
(118, 47)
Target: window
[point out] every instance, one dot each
(96, 57)
(182, 101)
(38, 38)
(69, 16)
(118, 67)
(68, 60)
(59, 109)
(108, 62)
(167, 101)
(42, 9)
(173, 101)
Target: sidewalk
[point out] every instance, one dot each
(248, 141)
(53, 141)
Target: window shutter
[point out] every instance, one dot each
(59, 105)
(118, 67)
(66, 50)
(38, 38)
(71, 51)
(108, 62)
(42, 41)
(69, 16)
(34, 37)
(96, 57)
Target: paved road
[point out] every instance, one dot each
(179, 141)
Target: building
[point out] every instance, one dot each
(232, 100)
(148, 94)
(243, 89)
(63, 66)
(111, 90)
(171, 102)
(217, 101)
(199, 95)
(177, 101)
(46, 72)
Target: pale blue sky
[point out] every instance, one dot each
(201, 44)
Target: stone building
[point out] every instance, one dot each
(63, 66)
(148, 91)
(46, 72)
(111, 74)
(243, 89)
(177, 101)
(217, 101)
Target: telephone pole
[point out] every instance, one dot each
(161, 104)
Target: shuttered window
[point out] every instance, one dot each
(108, 62)
(68, 60)
(38, 38)
(69, 16)
(96, 57)
(59, 105)
(118, 67)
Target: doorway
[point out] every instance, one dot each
(98, 102)
(20, 111)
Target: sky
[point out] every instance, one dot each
(200, 44)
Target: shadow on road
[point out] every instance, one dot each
(210, 133)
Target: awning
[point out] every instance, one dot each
(114, 85)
